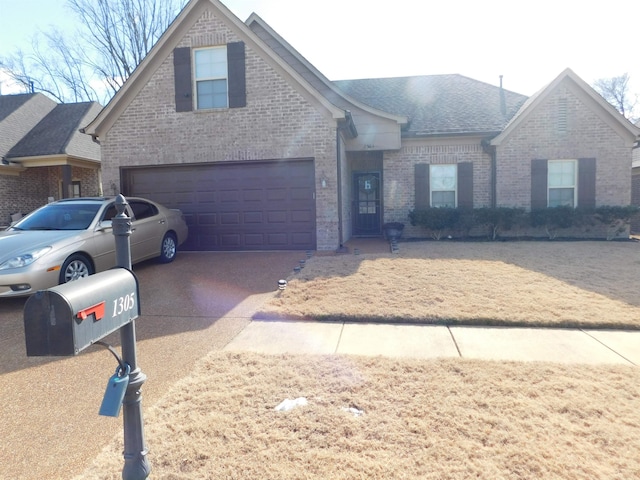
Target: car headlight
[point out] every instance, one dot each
(25, 259)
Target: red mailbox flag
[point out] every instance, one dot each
(97, 310)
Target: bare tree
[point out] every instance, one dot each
(92, 63)
(615, 90)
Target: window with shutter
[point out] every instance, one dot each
(210, 70)
(216, 75)
(564, 182)
(443, 185)
(448, 185)
(562, 179)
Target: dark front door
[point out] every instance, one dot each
(366, 204)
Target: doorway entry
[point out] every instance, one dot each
(367, 210)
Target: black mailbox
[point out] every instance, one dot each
(66, 319)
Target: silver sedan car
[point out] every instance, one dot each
(73, 238)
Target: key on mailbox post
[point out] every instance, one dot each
(66, 319)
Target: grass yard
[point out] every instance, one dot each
(443, 419)
(548, 284)
(437, 419)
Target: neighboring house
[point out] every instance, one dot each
(43, 154)
(227, 121)
(635, 186)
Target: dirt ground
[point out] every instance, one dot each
(388, 418)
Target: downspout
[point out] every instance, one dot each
(491, 151)
(341, 247)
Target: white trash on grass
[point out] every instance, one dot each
(288, 404)
(356, 412)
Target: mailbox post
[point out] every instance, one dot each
(136, 465)
(66, 319)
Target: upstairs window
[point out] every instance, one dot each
(443, 185)
(211, 78)
(562, 177)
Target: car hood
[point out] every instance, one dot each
(17, 242)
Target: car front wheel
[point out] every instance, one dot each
(168, 248)
(75, 267)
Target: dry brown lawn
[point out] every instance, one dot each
(566, 284)
(422, 419)
(442, 419)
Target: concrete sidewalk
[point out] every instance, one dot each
(431, 341)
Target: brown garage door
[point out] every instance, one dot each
(235, 206)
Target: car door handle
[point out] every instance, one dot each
(162, 222)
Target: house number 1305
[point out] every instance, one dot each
(123, 304)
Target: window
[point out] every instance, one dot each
(142, 210)
(561, 183)
(220, 77)
(211, 78)
(443, 185)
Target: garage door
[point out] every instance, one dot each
(236, 206)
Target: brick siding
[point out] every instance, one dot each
(586, 135)
(32, 188)
(399, 183)
(277, 123)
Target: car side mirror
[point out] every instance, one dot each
(104, 225)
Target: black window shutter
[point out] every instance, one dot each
(538, 184)
(182, 79)
(465, 185)
(422, 188)
(587, 182)
(237, 79)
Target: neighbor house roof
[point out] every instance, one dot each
(58, 133)
(438, 104)
(35, 131)
(11, 103)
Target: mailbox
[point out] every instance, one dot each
(66, 319)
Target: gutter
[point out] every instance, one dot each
(491, 151)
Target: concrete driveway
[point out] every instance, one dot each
(49, 406)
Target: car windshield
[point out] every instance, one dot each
(60, 216)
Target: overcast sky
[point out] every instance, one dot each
(529, 42)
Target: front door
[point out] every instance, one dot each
(366, 204)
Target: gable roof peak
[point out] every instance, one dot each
(611, 115)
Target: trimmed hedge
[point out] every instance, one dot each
(501, 219)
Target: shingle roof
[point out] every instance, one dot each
(10, 103)
(438, 104)
(54, 132)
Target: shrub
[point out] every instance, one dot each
(435, 219)
(498, 219)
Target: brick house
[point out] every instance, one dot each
(43, 154)
(227, 121)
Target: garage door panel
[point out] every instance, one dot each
(301, 216)
(230, 241)
(301, 239)
(253, 218)
(277, 240)
(252, 195)
(207, 219)
(236, 206)
(277, 217)
(232, 218)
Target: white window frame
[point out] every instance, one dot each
(435, 188)
(211, 77)
(566, 181)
